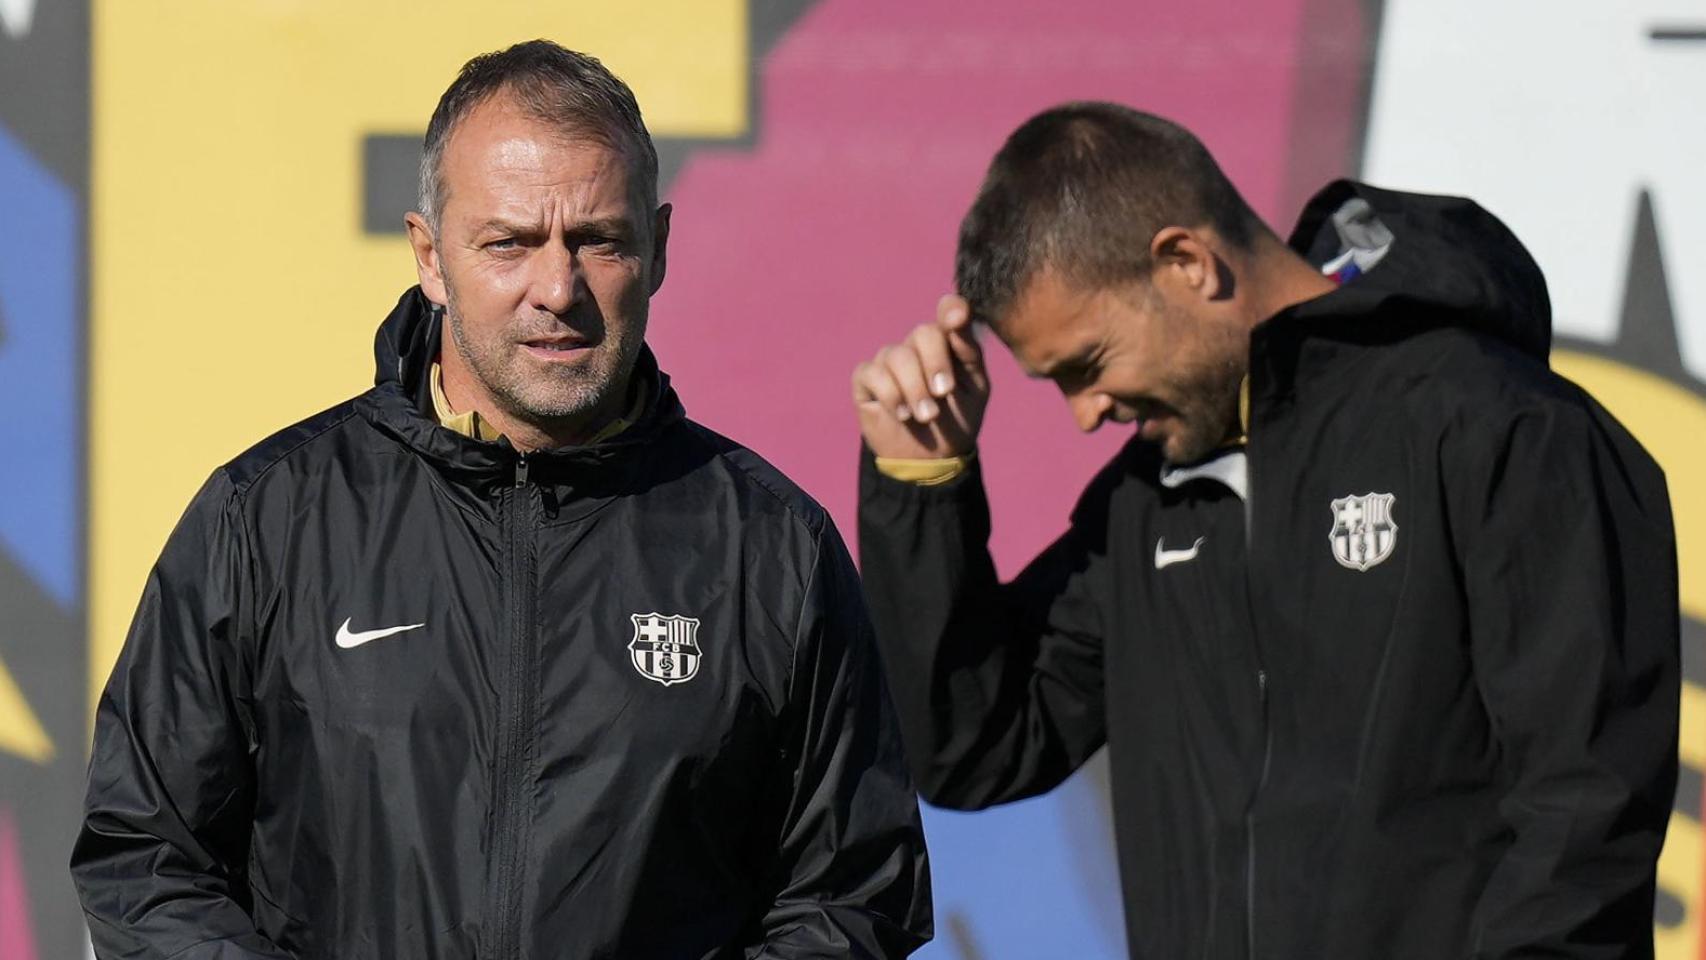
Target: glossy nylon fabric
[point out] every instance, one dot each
(1466, 748)
(502, 778)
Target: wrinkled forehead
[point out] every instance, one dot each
(500, 155)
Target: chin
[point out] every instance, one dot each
(1188, 449)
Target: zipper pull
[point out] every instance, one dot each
(1262, 685)
(521, 471)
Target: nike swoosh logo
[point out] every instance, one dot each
(350, 639)
(1166, 558)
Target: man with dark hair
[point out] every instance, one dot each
(1376, 615)
(505, 657)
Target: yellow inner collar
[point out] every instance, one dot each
(476, 427)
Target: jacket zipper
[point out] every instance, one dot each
(1250, 820)
(516, 706)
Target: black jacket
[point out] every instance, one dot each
(1435, 719)
(549, 760)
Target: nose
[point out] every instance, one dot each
(556, 279)
(1089, 408)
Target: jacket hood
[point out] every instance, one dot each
(1435, 257)
(404, 349)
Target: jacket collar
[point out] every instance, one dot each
(1409, 263)
(400, 404)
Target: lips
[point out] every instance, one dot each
(557, 349)
(559, 344)
(571, 351)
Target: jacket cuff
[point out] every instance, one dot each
(923, 472)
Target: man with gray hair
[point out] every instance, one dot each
(505, 657)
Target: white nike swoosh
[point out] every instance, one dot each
(1166, 558)
(349, 639)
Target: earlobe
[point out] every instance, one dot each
(428, 266)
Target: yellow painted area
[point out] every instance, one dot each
(1680, 873)
(1693, 749)
(1670, 421)
(21, 732)
(231, 283)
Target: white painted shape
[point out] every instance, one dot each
(1554, 115)
(16, 16)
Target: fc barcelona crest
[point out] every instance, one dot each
(665, 648)
(1364, 532)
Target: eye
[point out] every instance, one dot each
(502, 243)
(1076, 373)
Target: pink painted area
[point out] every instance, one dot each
(795, 259)
(1334, 62)
(17, 938)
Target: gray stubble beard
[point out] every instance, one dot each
(583, 394)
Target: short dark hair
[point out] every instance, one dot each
(1083, 188)
(555, 85)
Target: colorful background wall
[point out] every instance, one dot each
(200, 226)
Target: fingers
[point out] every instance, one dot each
(908, 379)
(906, 368)
(873, 384)
(953, 318)
(929, 343)
(916, 380)
(894, 380)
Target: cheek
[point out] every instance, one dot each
(496, 294)
(618, 286)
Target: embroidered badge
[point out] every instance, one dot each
(665, 648)
(1364, 532)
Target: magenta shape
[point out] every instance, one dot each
(17, 939)
(794, 259)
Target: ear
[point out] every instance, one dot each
(1185, 264)
(428, 267)
(660, 245)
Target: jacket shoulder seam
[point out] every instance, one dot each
(814, 524)
(241, 488)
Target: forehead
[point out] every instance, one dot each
(498, 156)
(1052, 321)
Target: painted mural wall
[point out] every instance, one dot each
(200, 227)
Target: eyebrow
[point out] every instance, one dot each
(500, 225)
(601, 225)
(1076, 361)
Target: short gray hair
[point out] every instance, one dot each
(554, 85)
(1083, 188)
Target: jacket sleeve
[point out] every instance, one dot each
(999, 686)
(1568, 558)
(854, 879)
(160, 861)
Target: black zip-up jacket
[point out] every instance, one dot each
(395, 693)
(1416, 697)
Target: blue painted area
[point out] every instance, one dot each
(39, 332)
(1022, 884)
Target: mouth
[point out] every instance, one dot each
(556, 349)
(1149, 417)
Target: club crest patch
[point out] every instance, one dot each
(1364, 533)
(665, 648)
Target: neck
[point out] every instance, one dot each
(1279, 278)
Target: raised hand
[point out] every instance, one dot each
(924, 397)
